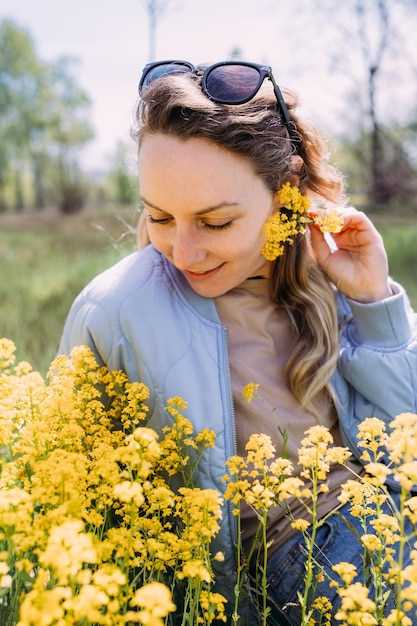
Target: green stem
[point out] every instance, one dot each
(265, 611)
(308, 565)
(398, 586)
(235, 615)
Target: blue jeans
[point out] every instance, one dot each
(334, 542)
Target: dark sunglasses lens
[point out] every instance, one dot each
(232, 83)
(163, 70)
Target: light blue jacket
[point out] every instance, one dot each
(142, 316)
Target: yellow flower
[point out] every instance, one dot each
(406, 474)
(235, 464)
(260, 449)
(386, 526)
(259, 496)
(213, 607)
(371, 436)
(379, 472)
(43, 607)
(283, 226)
(329, 221)
(402, 442)
(337, 454)
(300, 524)
(371, 542)
(322, 604)
(7, 352)
(156, 601)
(129, 492)
(360, 495)
(346, 571)
(68, 548)
(292, 487)
(249, 391)
(410, 509)
(356, 607)
(5, 578)
(5, 581)
(317, 435)
(397, 616)
(23, 368)
(206, 438)
(195, 569)
(291, 197)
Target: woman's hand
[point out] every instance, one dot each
(359, 268)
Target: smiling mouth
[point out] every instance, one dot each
(206, 272)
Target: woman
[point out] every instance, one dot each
(200, 310)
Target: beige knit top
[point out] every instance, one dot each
(261, 338)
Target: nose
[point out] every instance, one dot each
(187, 252)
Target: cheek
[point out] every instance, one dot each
(242, 243)
(157, 237)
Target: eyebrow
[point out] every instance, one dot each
(208, 210)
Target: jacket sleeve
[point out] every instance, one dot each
(87, 324)
(378, 354)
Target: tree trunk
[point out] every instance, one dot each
(38, 162)
(18, 192)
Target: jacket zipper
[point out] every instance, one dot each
(349, 441)
(232, 518)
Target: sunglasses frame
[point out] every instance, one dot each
(265, 71)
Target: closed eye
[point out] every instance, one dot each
(213, 226)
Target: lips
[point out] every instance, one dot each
(206, 272)
(201, 275)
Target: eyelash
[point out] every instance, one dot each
(211, 226)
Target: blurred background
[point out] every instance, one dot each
(68, 86)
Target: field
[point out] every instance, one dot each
(46, 259)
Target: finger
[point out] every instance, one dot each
(357, 220)
(357, 230)
(319, 244)
(350, 215)
(352, 238)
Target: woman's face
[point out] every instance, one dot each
(179, 182)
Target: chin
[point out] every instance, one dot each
(209, 291)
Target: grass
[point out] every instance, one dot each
(46, 260)
(400, 239)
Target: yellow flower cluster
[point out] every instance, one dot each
(264, 481)
(291, 219)
(91, 530)
(155, 602)
(94, 528)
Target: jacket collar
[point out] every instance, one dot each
(206, 307)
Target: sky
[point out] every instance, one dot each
(111, 41)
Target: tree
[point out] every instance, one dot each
(20, 74)
(43, 121)
(123, 184)
(367, 45)
(69, 130)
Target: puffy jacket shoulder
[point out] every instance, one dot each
(94, 317)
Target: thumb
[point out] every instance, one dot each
(319, 245)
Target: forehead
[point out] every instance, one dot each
(198, 169)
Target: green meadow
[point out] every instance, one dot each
(46, 259)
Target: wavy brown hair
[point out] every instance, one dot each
(176, 105)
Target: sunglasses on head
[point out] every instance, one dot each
(226, 82)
